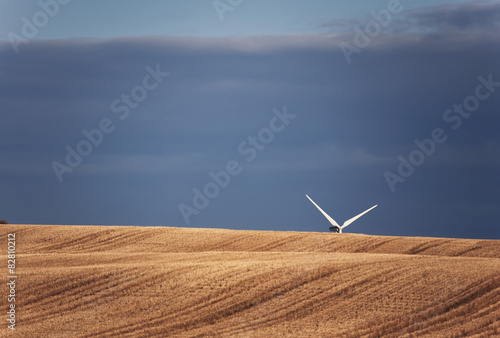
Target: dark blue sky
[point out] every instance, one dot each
(143, 113)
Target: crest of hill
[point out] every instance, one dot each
(57, 238)
(102, 281)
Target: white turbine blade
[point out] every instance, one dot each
(349, 221)
(324, 213)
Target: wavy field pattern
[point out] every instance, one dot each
(150, 281)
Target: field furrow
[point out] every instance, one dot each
(80, 281)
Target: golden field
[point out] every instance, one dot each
(159, 281)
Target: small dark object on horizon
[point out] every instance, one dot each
(3, 222)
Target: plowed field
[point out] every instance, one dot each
(158, 281)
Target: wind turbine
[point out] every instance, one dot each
(335, 227)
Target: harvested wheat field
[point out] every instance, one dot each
(159, 281)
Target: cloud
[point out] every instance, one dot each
(221, 90)
(352, 120)
(470, 16)
(469, 20)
